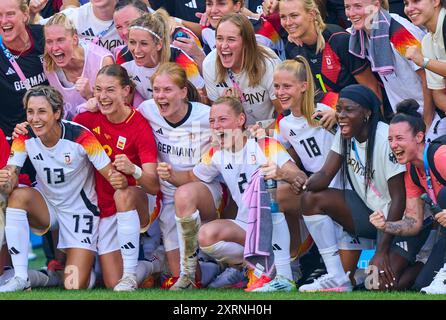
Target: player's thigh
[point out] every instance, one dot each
(196, 196)
(221, 230)
(78, 268)
(34, 203)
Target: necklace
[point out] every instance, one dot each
(25, 47)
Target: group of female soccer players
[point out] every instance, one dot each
(150, 151)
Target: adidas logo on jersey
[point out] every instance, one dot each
(128, 246)
(10, 71)
(86, 240)
(403, 245)
(192, 4)
(229, 166)
(13, 251)
(160, 131)
(88, 32)
(38, 157)
(292, 133)
(222, 85)
(276, 247)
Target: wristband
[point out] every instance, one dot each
(138, 173)
(425, 62)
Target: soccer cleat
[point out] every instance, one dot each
(184, 282)
(169, 282)
(230, 278)
(279, 283)
(438, 285)
(127, 283)
(251, 277)
(260, 282)
(328, 283)
(16, 284)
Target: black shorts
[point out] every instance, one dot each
(406, 247)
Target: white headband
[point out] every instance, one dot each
(146, 29)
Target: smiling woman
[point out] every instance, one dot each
(20, 60)
(71, 64)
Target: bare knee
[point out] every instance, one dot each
(125, 199)
(185, 200)
(20, 198)
(207, 235)
(310, 203)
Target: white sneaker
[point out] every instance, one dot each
(127, 283)
(438, 285)
(279, 283)
(184, 282)
(328, 283)
(16, 284)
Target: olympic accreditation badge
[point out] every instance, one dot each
(121, 143)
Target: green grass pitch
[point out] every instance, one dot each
(223, 294)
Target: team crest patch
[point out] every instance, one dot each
(121, 143)
(67, 158)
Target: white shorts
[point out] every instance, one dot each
(108, 228)
(76, 230)
(167, 221)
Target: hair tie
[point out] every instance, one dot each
(146, 29)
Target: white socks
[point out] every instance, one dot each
(323, 231)
(17, 237)
(128, 236)
(281, 245)
(230, 253)
(187, 228)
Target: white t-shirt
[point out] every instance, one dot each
(237, 168)
(385, 167)
(403, 83)
(433, 48)
(182, 144)
(88, 26)
(258, 100)
(64, 173)
(141, 77)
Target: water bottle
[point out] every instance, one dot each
(271, 187)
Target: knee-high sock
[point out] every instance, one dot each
(323, 231)
(281, 245)
(17, 237)
(187, 228)
(230, 253)
(128, 236)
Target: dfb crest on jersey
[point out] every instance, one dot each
(392, 158)
(67, 158)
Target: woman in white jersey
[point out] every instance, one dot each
(309, 144)
(361, 151)
(63, 154)
(182, 135)
(239, 67)
(150, 45)
(224, 239)
(71, 64)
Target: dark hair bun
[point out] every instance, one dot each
(408, 107)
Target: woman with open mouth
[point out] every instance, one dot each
(236, 158)
(64, 155)
(23, 43)
(309, 143)
(241, 68)
(150, 45)
(180, 125)
(71, 64)
(362, 153)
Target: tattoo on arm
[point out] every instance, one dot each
(402, 227)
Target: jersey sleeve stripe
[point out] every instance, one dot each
(89, 143)
(271, 148)
(207, 157)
